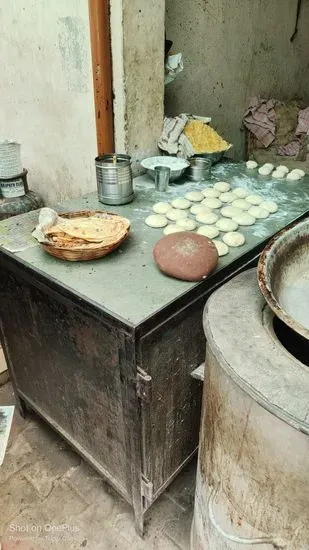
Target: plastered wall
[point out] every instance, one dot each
(137, 29)
(46, 93)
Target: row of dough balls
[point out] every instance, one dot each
(241, 212)
(278, 172)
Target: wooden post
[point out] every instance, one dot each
(102, 73)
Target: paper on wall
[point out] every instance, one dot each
(173, 66)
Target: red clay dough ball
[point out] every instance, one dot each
(186, 256)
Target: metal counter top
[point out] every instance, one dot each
(127, 284)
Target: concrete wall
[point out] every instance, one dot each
(46, 93)
(234, 49)
(137, 29)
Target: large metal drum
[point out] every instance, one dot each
(253, 470)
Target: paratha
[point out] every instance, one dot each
(105, 230)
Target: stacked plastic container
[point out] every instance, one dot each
(11, 185)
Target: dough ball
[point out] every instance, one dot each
(269, 165)
(265, 170)
(185, 256)
(212, 202)
(224, 224)
(241, 192)
(196, 208)
(194, 196)
(222, 186)
(208, 218)
(230, 211)
(299, 171)
(187, 224)
(228, 197)
(221, 247)
(175, 214)
(234, 238)
(244, 219)
(282, 168)
(156, 220)
(172, 228)
(258, 212)
(209, 231)
(211, 192)
(270, 206)
(251, 164)
(242, 204)
(278, 175)
(181, 204)
(293, 176)
(254, 199)
(161, 207)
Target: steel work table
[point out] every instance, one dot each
(103, 350)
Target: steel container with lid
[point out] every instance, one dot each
(114, 179)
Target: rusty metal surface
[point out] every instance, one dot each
(283, 276)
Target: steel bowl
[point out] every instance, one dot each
(199, 169)
(214, 157)
(176, 165)
(283, 276)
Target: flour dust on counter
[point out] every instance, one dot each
(220, 207)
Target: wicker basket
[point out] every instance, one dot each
(82, 254)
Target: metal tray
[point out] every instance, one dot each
(283, 276)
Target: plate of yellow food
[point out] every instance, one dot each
(84, 235)
(205, 141)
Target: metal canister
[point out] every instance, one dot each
(199, 169)
(114, 179)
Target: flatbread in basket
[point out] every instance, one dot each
(85, 235)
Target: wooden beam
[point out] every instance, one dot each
(102, 73)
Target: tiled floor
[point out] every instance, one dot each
(51, 499)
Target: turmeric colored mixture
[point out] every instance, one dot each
(203, 138)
